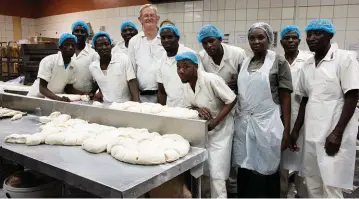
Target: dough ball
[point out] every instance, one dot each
(35, 139)
(54, 114)
(94, 145)
(85, 98)
(16, 117)
(55, 139)
(97, 104)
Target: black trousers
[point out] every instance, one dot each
(254, 185)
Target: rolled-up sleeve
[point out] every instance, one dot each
(349, 73)
(45, 68)
(221, 90)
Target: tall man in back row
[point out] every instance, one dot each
(329, 86)
(146, 52)
(223, 60)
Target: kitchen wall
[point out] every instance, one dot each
(231, 16)
(8, 27)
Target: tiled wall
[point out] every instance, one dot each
(6, 28)
(231, 16)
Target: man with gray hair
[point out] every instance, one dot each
(145, 51)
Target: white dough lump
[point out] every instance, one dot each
(157, 109)
(149, 148)
(130, 145)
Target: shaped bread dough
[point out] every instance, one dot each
(54, 114)
(16, 138)
(97, 104)
(55, 139)
(16, 117)
(94, 145)
(72, 97)
(45, 119)
(85, 98)
(70, 139)
(61, 119)
(35, 139)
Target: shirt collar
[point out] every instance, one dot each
(142, 34)
(331, 53)
(60, 61)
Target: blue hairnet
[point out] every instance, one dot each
(80, 23)
(128, 23)
(171, 27)
(266, 28)
(321, 24)
(187, 55)
(66, 36)
(209, 31)
(290, 28)
(99, 34)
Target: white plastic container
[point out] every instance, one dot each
(52, 189)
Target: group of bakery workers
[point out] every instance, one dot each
(268, 115)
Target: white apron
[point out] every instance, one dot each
(220, 139)
(258, 126)
(322, 113)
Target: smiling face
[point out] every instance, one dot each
(67, 48)
(318, 40)
(81, 34)
(169, 39)
(290, 42)
(149, 18)
(186, 70)
(211, 45)
(128, 32)
(258, 40)
(103, 46)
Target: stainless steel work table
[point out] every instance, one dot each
(99, 174)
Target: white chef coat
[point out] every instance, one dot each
(146, 56)
(52, 70)
(114, 84)
(325, 86)
(212, 92)
(168, 76)
(293, 160)
(232, 58)
(120, 47)
(82, 61)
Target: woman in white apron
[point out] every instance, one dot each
(213, 99)
(329, 85)
(264, 95)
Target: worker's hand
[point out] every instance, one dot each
(292, 141)
(205, 113)
(333, 142)
(233, 83)
(98, 97)
(285, 138)
(64, 99)
(212, 124)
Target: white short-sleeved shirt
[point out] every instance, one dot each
(210, 91)
(52, 70)
(82, 61)
(232, 58)
(338, 65)
(120, 48)
(146, 56)
(114, 84)
(167, 75)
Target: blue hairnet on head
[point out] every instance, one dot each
(171, 27)
(80, 23)
(290, 28)
(266, 28)
(99, 34)
(321, 24)
(66, 36)
(187, 55)
(209, 31)
(128, 23)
